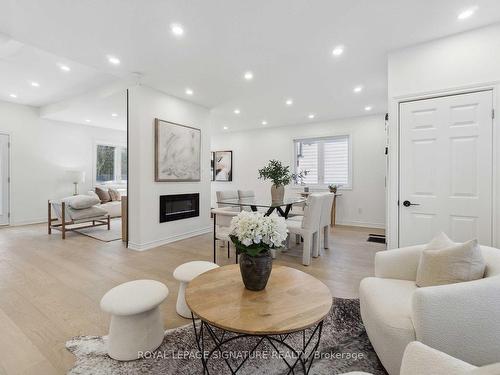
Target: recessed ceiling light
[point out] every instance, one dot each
(466, 13)
(225, 127)
(13, 96)
(64, 68)
(289, 102)
(311, 115)
(248, 76)
(114, 115)
(368, 108)
(358, 89)
(177, 29)
(113, 60)
(87, 120)
(337, 51)
(264, 122)
(189, 91)
(236, 111)
(35, 84)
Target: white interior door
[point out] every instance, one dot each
(446, 160)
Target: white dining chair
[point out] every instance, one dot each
(222, 222)
(246, 194)
(308, 227)
(324, 222)
(227, 194)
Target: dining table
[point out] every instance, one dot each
(283, 207)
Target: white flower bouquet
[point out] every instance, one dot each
(253, 233)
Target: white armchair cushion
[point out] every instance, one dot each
(441, 241)
(463, 319)
(455, 264)
(80, 202)
(420, 359)
(399, 264)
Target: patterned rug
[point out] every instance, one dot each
(344, 347)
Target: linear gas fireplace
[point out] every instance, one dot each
(179, 206)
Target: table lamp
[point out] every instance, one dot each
(77, 177)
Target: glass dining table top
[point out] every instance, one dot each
(249, 202)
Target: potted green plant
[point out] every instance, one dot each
(254, 235)
(281, 176)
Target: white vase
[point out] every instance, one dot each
(277, 193)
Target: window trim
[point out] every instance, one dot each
(117, 167)
(318, 186)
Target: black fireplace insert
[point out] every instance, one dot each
(179, 206)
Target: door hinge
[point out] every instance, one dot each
(8, 180)
(493, 113)
(8, 215)
(398, 202)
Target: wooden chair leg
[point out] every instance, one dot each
(49, 218)
(63, 218)
(228, 250)
(315, 244)
(306, 251)
(326, 237)
(109, 222)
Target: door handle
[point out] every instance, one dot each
(408, 204)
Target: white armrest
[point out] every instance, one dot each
(224, 212)
(399, 264)
(420, 359)
(462, 320)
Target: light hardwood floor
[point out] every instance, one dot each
(50, 289)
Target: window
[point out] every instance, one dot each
(111, 163)
(326, 160)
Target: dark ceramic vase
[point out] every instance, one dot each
(255, 271)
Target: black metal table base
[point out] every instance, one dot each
(213, 341)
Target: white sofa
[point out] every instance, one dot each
(114, 208)
(419, 359)
(462, 320)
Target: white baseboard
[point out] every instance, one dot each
(167, 240)
(361, 224)
(28, 222)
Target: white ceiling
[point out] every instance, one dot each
(287, 44)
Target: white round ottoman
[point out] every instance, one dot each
(136, 322)
(185, 273)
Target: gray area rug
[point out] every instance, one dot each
(102, 233)
(344, 347)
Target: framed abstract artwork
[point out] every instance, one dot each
(223, 165)
(212, 166)
(177, 152)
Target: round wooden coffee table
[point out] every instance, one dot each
(292, 302)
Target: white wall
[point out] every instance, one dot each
(42, 151)
(458, 63)
(145, 230)
(364, 205)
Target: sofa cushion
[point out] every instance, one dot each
(114, 194)
(103, 194)
(386, 312)
(79, 202)
(86, 213)
(455, 264)
(114, 208)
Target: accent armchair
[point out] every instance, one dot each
(462, 320)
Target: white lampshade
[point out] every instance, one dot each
(76, 177)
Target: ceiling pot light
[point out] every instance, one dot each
(189, 91)
(337, 51)
(87, 120)
(113, 60)
(368, 108)
(248, 76)
(236, 111)
(114, 115)
(13, 96)
(289, 102)
(64, 68)
(466, 13)
(35, 84)
(358, 89)
(177, 29)
(264, 122)
(311, 116)
(225, 127)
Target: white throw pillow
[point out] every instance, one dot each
(454, 264)
(441, 241)
(80, 202)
